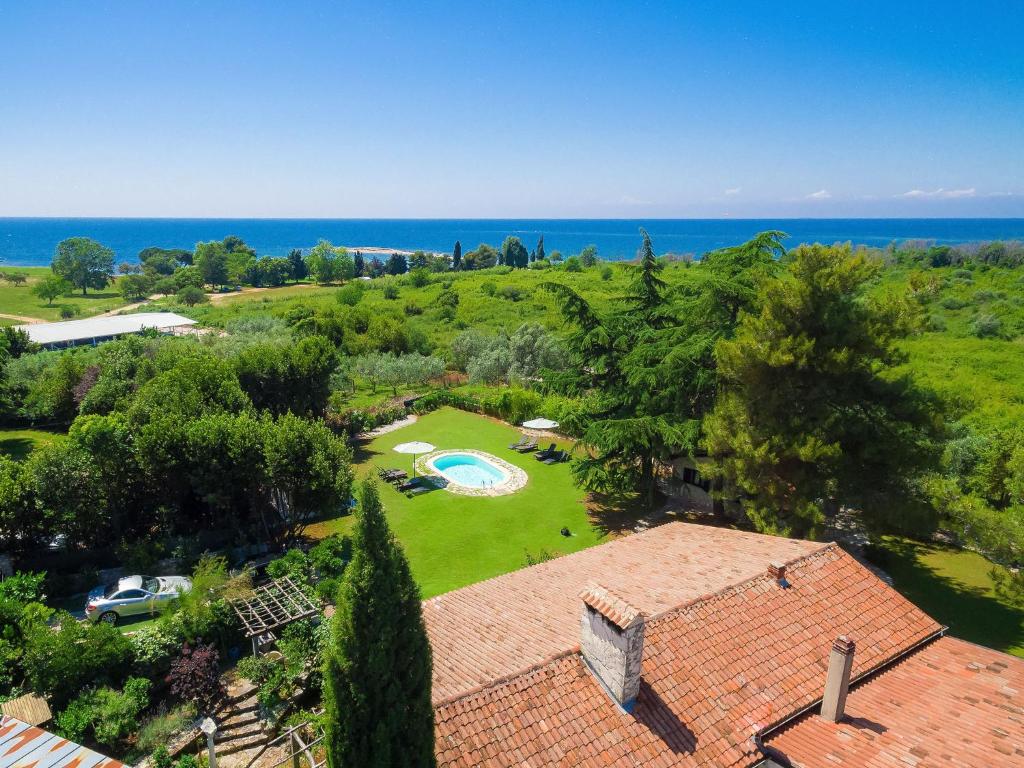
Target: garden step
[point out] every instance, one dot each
(240, 690)
(237, 720)
(240, 733)
(237, 745)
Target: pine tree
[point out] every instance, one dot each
(457, 255)
(377, 671)
(646, 290)
(540, 249)
(358, 264)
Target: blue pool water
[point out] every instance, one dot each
(468, 470)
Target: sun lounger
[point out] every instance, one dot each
(519, 444)
(546, 453)
(556, 457)
(411, 484)
(393, 475)
(527, 447)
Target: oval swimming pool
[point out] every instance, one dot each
(468, 470)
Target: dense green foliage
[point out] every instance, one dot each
(377, 670)
(83, 263)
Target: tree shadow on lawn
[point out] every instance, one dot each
(16, 448)
(615, 514)
(971, 612)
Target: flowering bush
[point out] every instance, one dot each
(195, 675)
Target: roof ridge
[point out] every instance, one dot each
(729, 589)
(548, 564)
(575, 649)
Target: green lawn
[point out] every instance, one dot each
(18, 443)
(955, 588)
(454, 540)
(19, 300)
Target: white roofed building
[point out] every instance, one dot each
(93, 330)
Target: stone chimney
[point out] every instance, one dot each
(612, 643)
(777, 571)
(837, 683)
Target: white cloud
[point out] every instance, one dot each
(630, 200)
(733, 190)
(940, 193)
(821, 194)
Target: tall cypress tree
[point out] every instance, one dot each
(457, 255)
(358, 264)
(297, 264)
(377, 669)
(540, 249)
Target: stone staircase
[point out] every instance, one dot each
(240, 735)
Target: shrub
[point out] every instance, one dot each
(420, 278)
(195, 676)
(488, 288)
(68, 311)
(390, 291)
(108, 714)
(23, 587)
(61, 663)
(256, 669)
(936, 323)
(963, 274)
(154, 644)
(606, 272)
(190, 295)
(952, 302)
(350, 294)
(412, 308)
(987, 326)
(509, 292)
(572, 264)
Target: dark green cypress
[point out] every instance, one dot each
(377, 669)
(457, 255)
(540, 249)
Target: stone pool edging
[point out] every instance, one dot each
(517, 477)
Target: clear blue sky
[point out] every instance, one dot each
(512, 109)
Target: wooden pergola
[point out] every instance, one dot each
(271, 606)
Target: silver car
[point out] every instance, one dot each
(134, 596)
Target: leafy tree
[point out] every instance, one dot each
(328, 263)
(397, 264)
(22, 524)
(588, 256)
(308, 470)
(377, 672)
(179, 255)
(68, 491)
(16, 279)
(84, 263)
(235, 244)
(418, 260)
(484, 257)
(376, 267)
(457, 256)
(514, 253)
(298, 264)
(814, 415)
(358, 264)
(211, 259)
(51, 287)
(135, 287)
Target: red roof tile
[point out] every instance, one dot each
(715, 672)
(497, 628)
(950, 703)
(610, 605)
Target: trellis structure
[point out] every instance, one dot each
(272, 606)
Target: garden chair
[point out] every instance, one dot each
(546, 453)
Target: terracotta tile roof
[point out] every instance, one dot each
(497, 628)
(715, 671)
(26, 746)
(950, 703)
(610, 605)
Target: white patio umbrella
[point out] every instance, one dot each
(540, 424)
(414, 447)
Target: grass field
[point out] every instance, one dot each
(955, 588)
(454, 540)
(19, 300)
(18, 443)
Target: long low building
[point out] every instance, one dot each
(93, 330)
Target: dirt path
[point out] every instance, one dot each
(23, 318)
(219, 297)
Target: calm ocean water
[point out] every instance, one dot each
(30, 242)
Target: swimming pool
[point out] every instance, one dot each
(468, 470)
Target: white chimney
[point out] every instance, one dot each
(612, 643)
(837, 683)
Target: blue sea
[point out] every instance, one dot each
(30, 241)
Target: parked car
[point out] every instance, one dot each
(133, 596)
